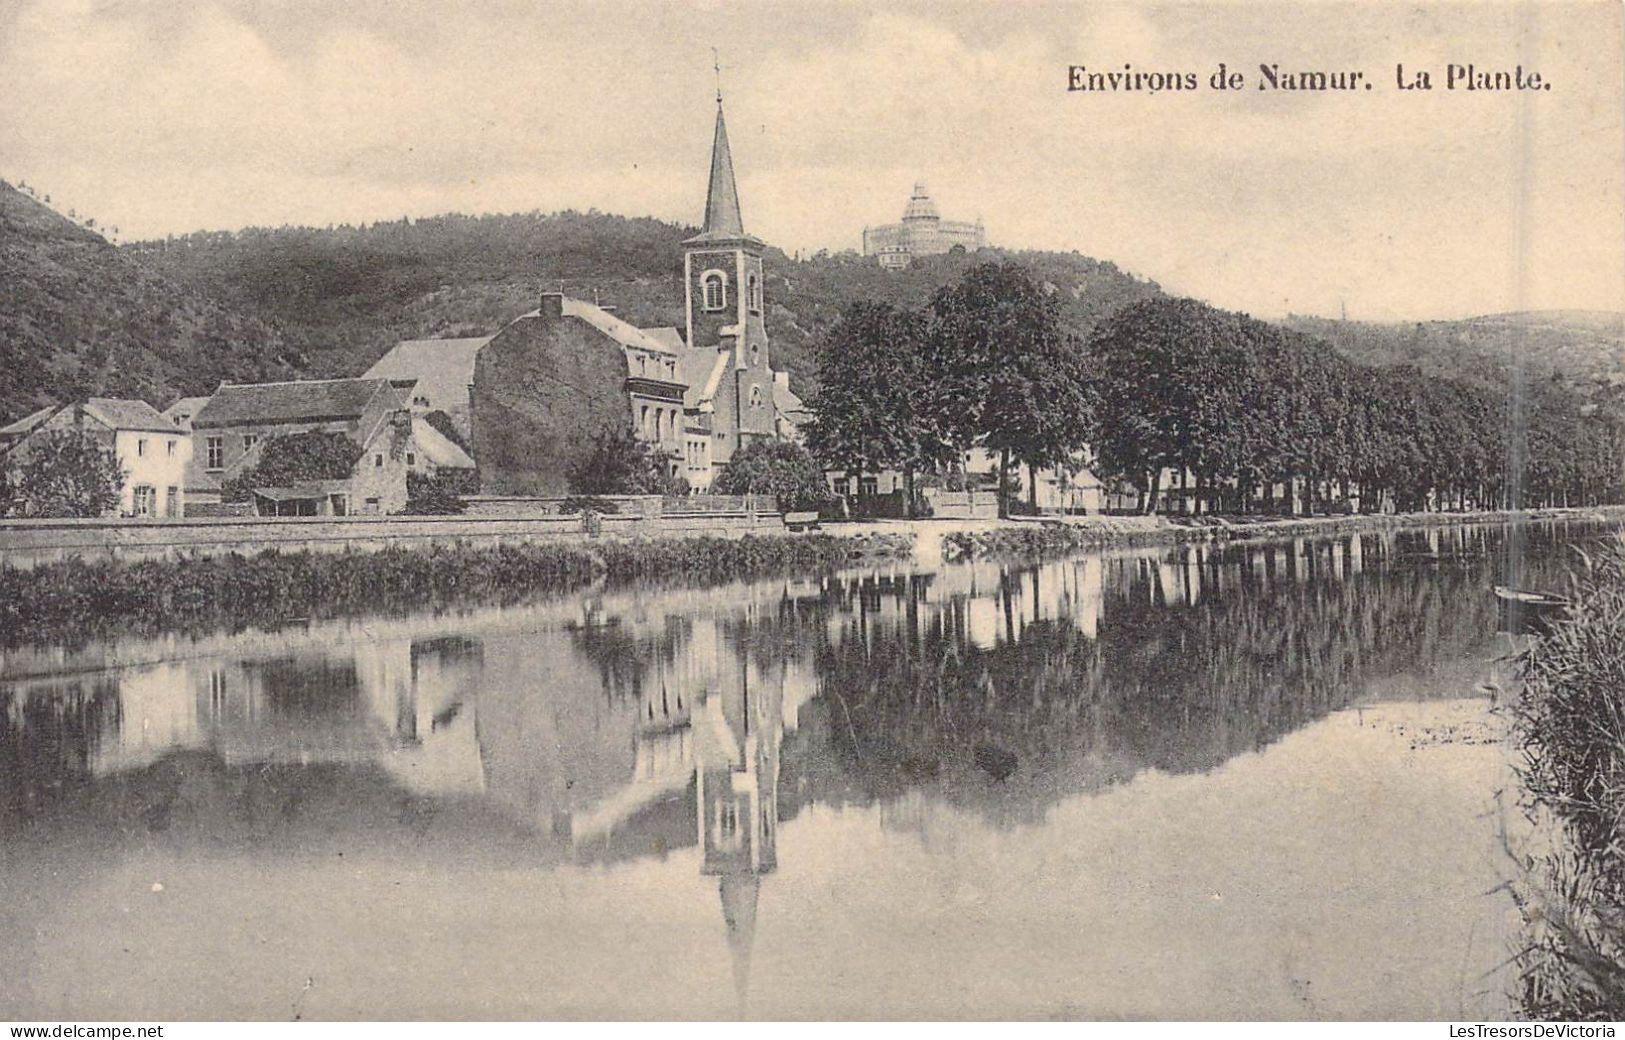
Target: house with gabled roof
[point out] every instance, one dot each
(229, 431)
(439, 373)
(153, 454)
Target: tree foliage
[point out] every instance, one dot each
(65, 473)
(779, 468)
(1245, 406)
(989, 363)
(295, 458)
(621, 464)
(870, 411)
(435, 494)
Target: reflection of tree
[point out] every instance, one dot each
(625, 657)
(1225, 651)
(47, 735)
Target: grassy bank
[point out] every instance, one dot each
(1038, 538)
(68, 601)
(1570, 723)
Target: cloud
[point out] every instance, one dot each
(165, 118)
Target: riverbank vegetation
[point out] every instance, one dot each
(1570, 722)
(68, 601)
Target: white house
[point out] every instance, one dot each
(152, 450)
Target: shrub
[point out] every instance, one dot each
(439, 493)
(294, 458)
(67, 473)
(621, 464)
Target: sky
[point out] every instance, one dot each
(163, 118)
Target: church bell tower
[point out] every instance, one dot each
(723, 291)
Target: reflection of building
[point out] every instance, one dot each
(922, 232)
(736, 782)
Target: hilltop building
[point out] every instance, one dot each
(922, 232)
(153, 453)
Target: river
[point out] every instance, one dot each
(1241, 781)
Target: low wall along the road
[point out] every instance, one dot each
(27, 543)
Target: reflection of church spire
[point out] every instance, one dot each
(739, 894)
(736, 795)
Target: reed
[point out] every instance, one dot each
(1570, 724)
(74, 600)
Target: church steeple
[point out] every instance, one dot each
(722, 219)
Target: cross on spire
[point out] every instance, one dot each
(716, 63)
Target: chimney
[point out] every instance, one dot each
(552, 305)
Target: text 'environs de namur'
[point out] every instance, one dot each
(1272, 76)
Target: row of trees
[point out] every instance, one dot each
(1246, 415)
(1242, 410)
(987, 363)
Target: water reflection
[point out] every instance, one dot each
(618, 728)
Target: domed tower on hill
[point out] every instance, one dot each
(922, 232)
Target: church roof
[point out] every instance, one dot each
(622, 332)
(723, 222)
(668, 335)
(700, 369)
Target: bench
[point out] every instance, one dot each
(803, 521)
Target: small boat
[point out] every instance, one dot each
(1522, 611)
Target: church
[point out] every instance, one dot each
(534, 396)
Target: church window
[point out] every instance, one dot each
(643, 419)
(714, 290)
(756, 397)
(755, 295)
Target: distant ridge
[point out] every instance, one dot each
(1585, 347)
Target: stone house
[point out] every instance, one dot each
(229, 430)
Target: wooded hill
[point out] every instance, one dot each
(345, 295)
(1586, 347)
(78, 317)
(160, 319)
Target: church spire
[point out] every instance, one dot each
(722, 218)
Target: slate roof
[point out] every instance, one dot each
(700, 369)
(27, 423)
(437, 447)
(667, 335)
(723, 222)
(443, 368)
(189, 406)
(127, 414)
(316, 400)
(622, 332)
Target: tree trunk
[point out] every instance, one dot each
(1004, 479)
(908, 491)
(1032, 487)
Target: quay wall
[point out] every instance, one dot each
(25, 544)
